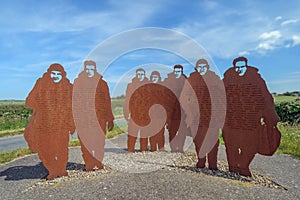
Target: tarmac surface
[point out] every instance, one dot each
(18, 141)
(20, 179)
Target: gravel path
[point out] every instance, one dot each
(151, 175)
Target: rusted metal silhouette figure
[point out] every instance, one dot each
(199, 81)
(133, 129)
(157, 141)
(92, 113)
(47, 133)
(156, 104)
(251, 119)
(175, 81)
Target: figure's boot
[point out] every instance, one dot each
(245, 160)
(161, 140)
(93, 165)
(172, 141)
(245, 172)
(212, 157)
(232, 158)
(152, 143)
(61, 170)
(131, 143)
(50, 165)
(144, 144)
(201, 162)
(180, 142)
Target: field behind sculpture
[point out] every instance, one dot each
(117, 107)
(279, 98)
(14, 116)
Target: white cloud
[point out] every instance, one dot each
(273, 35)
(221, 41)
(265, 46)
(244, 53)
(228, 32)
(290, 21)
(296, 40)
(278, 18)
(269, 40)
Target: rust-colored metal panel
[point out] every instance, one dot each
(130, 111)
(150, 118)
(175, 82)
(47, 133)
(92, 114)
(251, 119)
(200, 81)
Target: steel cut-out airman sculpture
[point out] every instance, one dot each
(92, 114)
(175, 82)
(251, 119)
(200, 81)
(133, 129)
(47, 133)
(157, 141)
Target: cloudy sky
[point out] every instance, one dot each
(35, 34)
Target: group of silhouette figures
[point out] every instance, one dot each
(198, 106)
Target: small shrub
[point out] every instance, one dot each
(14, 116)
(289, 111)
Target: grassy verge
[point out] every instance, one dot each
(10, 155)
(290, 142)
(11, 132)
(290, 139)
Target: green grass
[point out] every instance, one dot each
(220, 137)
(278, 99)
(290, 139)
(117, 107)
(11, 102)
(11, 132)
(11, 124)
(13, 115)
(10, 155)
(290, 142)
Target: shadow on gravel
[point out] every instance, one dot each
(115, 150)
(216, 173)
(255, 179)
(75, 166)
(33, 172)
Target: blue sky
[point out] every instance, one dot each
(35, 34)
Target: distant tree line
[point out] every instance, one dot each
(295, 93)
